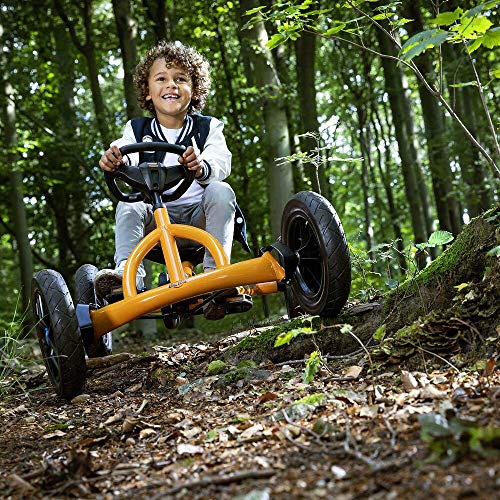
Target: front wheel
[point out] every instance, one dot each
(58, 333)
(322, 281)
(85, 294)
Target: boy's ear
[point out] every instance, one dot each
(148, 97)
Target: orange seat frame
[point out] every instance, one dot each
(264, 272)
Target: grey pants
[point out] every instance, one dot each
(215, 214)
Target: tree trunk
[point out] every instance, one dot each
(276, 138)
(127, 31)
(88, 51)
(156, 12)
(409, 161)
(436, 138)
(8, 113)
(305, 54)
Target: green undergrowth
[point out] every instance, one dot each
(463, 249)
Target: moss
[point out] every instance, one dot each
(247, 363)
(215, 367)
(265, 340)
(56, 427)
(313, 399)
(463, 248)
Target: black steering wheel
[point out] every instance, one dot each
(148, 178)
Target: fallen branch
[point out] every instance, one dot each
(230, 478)
(106, 361)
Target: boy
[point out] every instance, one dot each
(172, 82)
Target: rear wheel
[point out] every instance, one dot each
(58, 333)
(85, 294)
(322, 281)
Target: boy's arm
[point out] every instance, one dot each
(215, 155)
(128, 137)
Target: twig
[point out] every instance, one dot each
(230, 478)
(357, 454)
(440, 357)
(392, 432)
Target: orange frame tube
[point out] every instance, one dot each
(264, 272)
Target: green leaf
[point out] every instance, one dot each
(275, 40)
(489, 40)
(253, 11)
(464, 84)
(447, 18)
(440, 238)
(287, 337)
(479, 8)
(470, 28)
(380, 333)
(422, 41)
(312, 365)
(334, 30)
(385, 15)
(494, 252)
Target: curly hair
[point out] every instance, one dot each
(174, 53)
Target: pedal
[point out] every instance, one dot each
(240, 303)
(116, 294)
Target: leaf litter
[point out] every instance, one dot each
(160, 425)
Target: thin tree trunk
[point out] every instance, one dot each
(156, 12)
(409, 162)
(477, 195)
(305, 54)
(435, 133)
(8, 113)
(276, 138)
(88, 51)
(127, 32)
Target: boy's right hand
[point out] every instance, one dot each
(111, 159)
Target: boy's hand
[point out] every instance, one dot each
(111, 159)
(191, 161)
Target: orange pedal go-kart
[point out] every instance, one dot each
(312, 268)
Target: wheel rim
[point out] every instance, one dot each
(47, 341)
(302, 239)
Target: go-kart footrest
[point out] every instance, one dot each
(290, 259)
(238, 304)
(85, 324)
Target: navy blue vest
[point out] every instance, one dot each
(197, 126)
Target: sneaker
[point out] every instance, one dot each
(105, 280)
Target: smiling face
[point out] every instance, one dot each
(170, 90)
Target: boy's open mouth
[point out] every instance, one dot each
(170, 96)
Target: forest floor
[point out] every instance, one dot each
(156, 425)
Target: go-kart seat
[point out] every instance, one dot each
(193, 253)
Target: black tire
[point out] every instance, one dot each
(85, 294)
(58, 333)
(322, 282)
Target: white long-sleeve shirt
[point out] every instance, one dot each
(214, 154)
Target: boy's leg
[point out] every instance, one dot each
(215, 214)
(133, 221)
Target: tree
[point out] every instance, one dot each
(15, 176)
(126, 29)
(276, 138)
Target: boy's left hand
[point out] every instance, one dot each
(191, 161)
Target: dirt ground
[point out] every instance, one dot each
(156, 425)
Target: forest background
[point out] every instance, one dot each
(387, 109)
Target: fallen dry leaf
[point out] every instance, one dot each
(189, 449)
(353, 371)
(408, 380)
